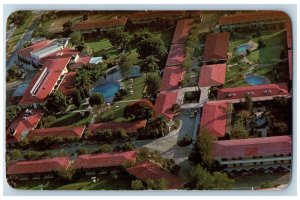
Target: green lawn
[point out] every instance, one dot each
(115, 113)
(98, 44)
(105, 182)
(18, 34)
(270, 54)
(138, 87)
(71, 119)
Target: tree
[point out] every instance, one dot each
(86, 16)
(239, 131)
(80, 47)
(153, 83)
(149, 64)
(151, 46)
(13, 72)
(125, 67)
(77, 100)
(67, 174)
(35, 155)
(162, 184)
(176, 108)
(76, 37)
(46, 122)
(142, 109)
(82, 151)
(200, 179)
(202, 152)
(11, 113)
(122, 134)
(96, 99)
(105, 148)
(15, 154)
(248, 104)
(279, 128)
(154, 128)
(68, 25)
(103, 135)
(280, 102)
(137, 185)
(119, 38)
(128, 146)
(56, 102)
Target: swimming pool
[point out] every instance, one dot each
(256, 80)
(108, 90)
(242, 48)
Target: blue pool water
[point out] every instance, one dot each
(108, 90)
(256, 80)
(242, 48)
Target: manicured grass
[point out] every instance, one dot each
(115, 112)
(270, 54)
(71, 119)
(18, 34)
(105, 182)
(138, 87)
(98, 44)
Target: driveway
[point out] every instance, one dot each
(188, 124)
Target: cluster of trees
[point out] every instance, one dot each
(192, 42)
(119, 39)
(142, 109)
(46, 122)
(48, 142)
(202, 152)
(120, 94)
(107, 148)
(13, 73)
(56, 102)
(18, 17)
(201, 179)
(153, 83)
(148, 44)
(161, 184)
(96, 99)
(154, 156)
(155, 128)
(11, 113)
(107, 136)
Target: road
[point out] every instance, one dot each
(25, 38)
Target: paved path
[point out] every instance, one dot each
(24, 39)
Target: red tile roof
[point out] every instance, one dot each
(54, 69)
(172, 77)
(164, 103)
(63, 53)
(290, 59)
(104, 160)
(289, 37)
(64, 132)
(254, 91)
(212, 75)
(155, 14)
(129, 127)
(148, 170)
(22, 126)
(265, 146)
(182, 30)
(26, 51)
(214, 117)
(99, 23)
(176, 55)
(252, 17)
(82, 60)
(67, 86)
(216, 46)
(39, 166)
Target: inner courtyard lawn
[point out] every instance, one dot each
(72, 119)
(98, 44)
(262, 61)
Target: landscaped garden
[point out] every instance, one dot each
(72, 119)
(259, 60)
